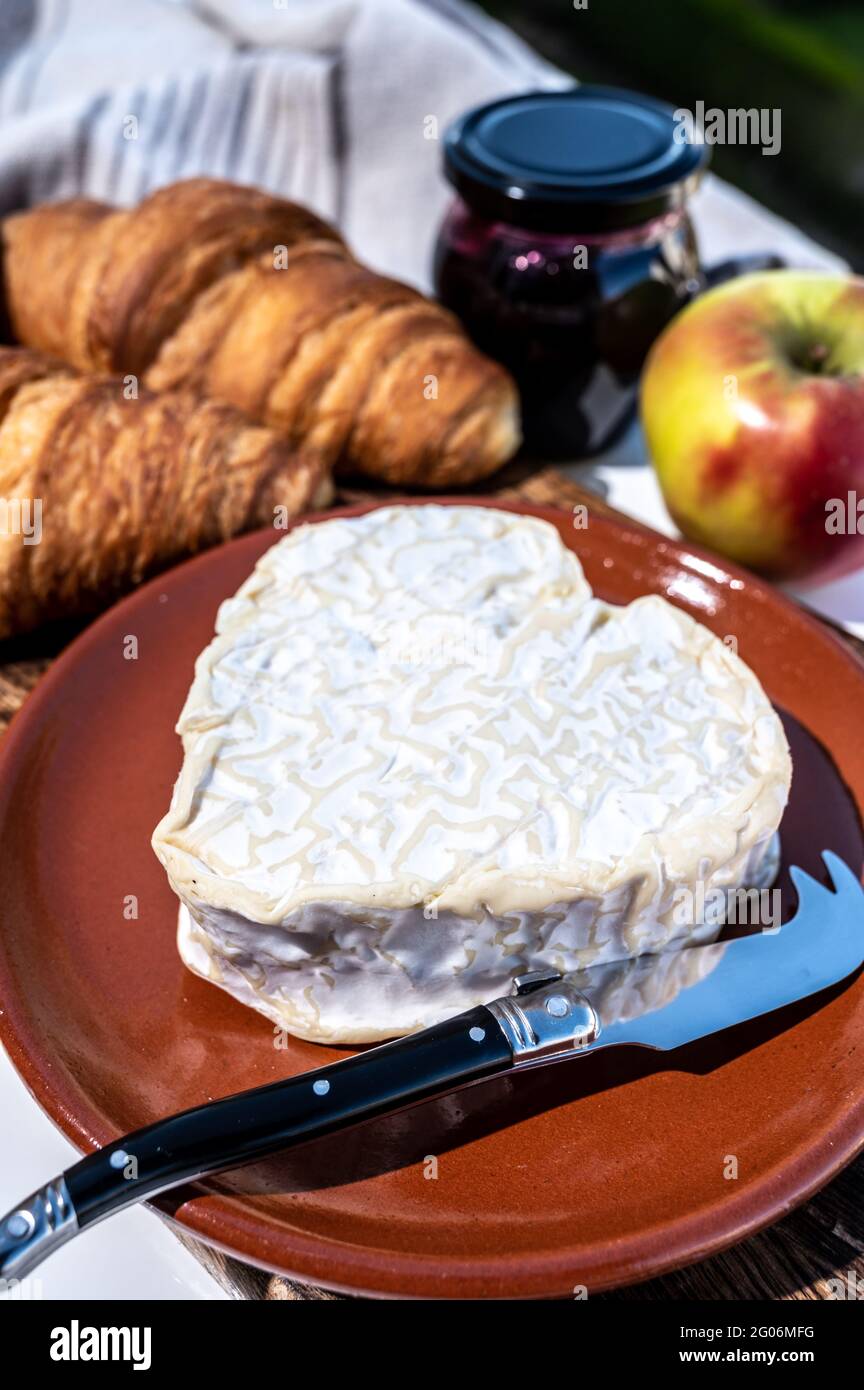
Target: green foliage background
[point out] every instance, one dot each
(803, 56)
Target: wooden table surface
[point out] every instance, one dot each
(794, 1259)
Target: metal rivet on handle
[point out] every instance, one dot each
(557, 1006)
(20, 1224)
(320, 1087)
(477, 1034)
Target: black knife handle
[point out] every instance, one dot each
(226, 1133)
(546, 1019)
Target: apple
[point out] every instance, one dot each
(752, 401)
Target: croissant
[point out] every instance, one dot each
(250, 299)
(99, 489)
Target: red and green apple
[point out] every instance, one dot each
(753, 408)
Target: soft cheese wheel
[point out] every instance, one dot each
(421, 758)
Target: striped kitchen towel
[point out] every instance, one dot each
(337, 103)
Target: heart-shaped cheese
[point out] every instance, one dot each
(421, 758)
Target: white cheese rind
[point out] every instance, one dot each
(420, 758)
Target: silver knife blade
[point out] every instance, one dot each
(819, 946)
(676, 997)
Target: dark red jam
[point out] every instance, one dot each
(572, 317)
(567, 251)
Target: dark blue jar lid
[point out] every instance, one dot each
(586, 159)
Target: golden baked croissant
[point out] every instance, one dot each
(253, 300)
(98, 491)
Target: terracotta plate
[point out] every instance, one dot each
(601, 1172)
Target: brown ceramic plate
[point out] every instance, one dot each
(602, 1172)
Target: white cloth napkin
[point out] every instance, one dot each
(338, 103)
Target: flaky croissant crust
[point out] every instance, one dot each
(125, 484)
(251, 299)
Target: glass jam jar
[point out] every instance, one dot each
(567, 249)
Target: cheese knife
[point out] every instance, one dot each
(679, 997)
